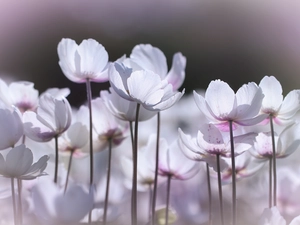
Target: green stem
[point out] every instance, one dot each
(134, 180)
(168, 199)
(69, 170)
(156, 169)
(220, 189)
(274, 162)
(56, 159)
(209, 194)
(233, 175)
(107, 180)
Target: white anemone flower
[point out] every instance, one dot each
(147, 57)
(271, 216)
(21, 94)
(86, 61)
(282, 110)
(142, 86)
(18, 164)
(124, 109)
(53, 206)
(221, 105)
(53, 117)
(11, 129)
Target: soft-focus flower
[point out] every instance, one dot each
(142, 86)
(81, 62)
(52, 206)
(21, 94)
(11, 127)
(53, 117)
(221, 105)
(57, 93)
(18, 164)
(123, 108)
(271, 217)
(147, 57)
(285, 144)
(281, 110)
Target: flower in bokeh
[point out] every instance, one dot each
(53, 117)
(271, 216)
(18, 164)
(11, 127)
(221, 105)
(281, 110)
(88, 60)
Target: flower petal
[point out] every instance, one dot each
(177, 73)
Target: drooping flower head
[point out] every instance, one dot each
(221, 105)
(88, 60)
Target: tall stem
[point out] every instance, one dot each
(168, 199)
(156, 168)
(270, 182)
(89, 99)
(150, 201)
(107, 180)
(220, 189)
(134, 180)
(69, 169)
(233, 175)
(56, 158)
(209, 194)
(14, 200)
(20, 205)
(274, 162)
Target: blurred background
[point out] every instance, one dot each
(236, 41)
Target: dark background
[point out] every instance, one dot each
(236, 41)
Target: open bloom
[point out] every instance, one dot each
(81, 62)
(142, 86)
(147, 57)
(11, 129)
(273, 104)
(221, 105)
(53, 117)
(18, 164)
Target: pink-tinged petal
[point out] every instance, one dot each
(243, 142)
(263, 145)
(18, 161)
(36, 130)
(211, 160)
(191, 144)
(92, 58)
(145, 87)
(272, 90)
(220, 98)
(290, 105)
(150, 58)
(202, 105)
(210, 134)
(177, 73)
(252, 121)
(118, 75)
(66, 50)
(74, 204)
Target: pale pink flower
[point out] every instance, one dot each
(86, 61)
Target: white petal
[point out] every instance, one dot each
(290, 105)
(201, 104)
(177, 73)
(78, 135)
(62, 115)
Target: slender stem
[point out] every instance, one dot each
(89, 99)
(23, 139)
(20, 205)
(220, 189)
(69, 169)
(270, 182)
(150, 201)
(107, 180)
(56, 158)
(131, 133)
(233, 175)
(274, 162)
(14, 200)
(168, 199)
(156, 169)
(209, 194)
(134, 180)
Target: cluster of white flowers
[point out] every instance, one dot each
(125, 146)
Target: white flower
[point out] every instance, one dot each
(221, 105)
(18, 164)
(81, 62)
(271, 217)
(282, 110)
(53, 117)
(11, 128)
